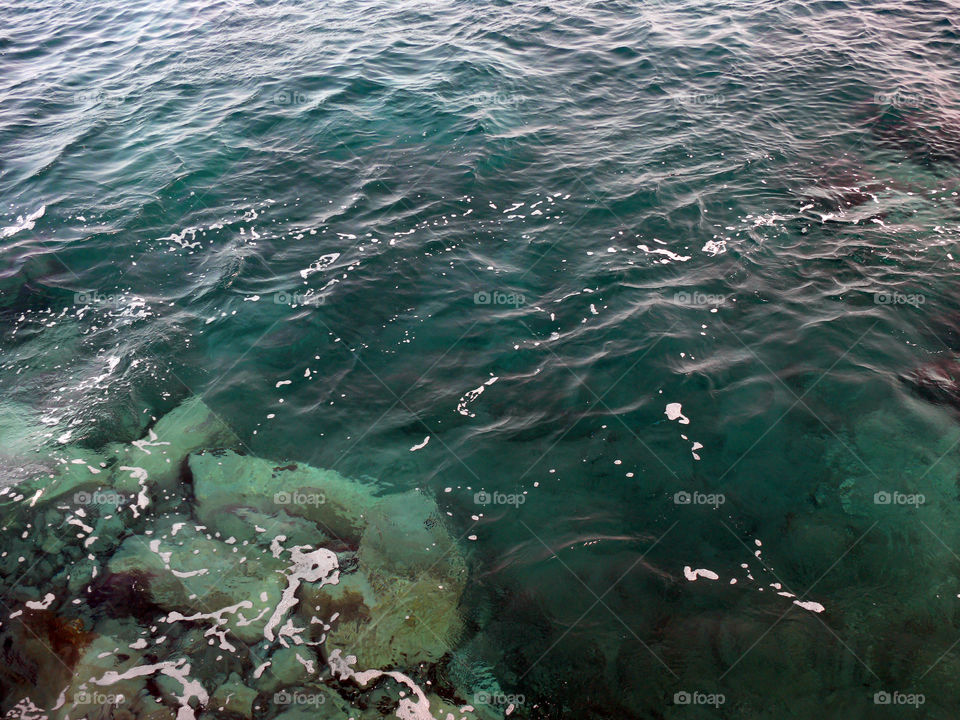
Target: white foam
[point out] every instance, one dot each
(323, 262)
(661, 251)
(692, 575)
(715, 247)
(674, 412)
(23, 223)
(472, 395)
(407, 709)
(42, 604)
(175, 669)
(319, 565)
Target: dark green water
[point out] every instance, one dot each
(524, 231)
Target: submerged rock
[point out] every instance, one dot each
(389, 621)
(147, 707)
(100, 687)
(33, 459)
(282, 559)
(161, 453)
(114, 680)
(225, 482)
(39, 465)
(937, 382)
(233, 698)
(39, 650)
(880, 465)
(243, 523)
(58, 473)
(389, 693)
(230, 588)
(288, 667)
(400, 606)
(406, 534)
(313, 702)
(403, 608)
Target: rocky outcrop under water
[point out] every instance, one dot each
(176, 577)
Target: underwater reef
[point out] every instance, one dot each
(177, 577)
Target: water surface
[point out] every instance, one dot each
(631, 290)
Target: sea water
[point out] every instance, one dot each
(469, 359)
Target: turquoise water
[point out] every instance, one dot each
(628, 291)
